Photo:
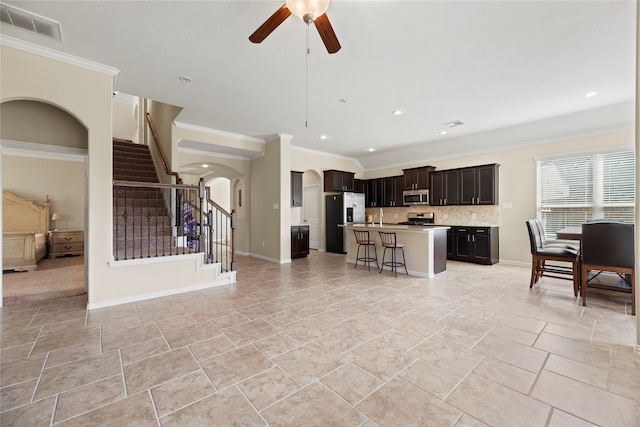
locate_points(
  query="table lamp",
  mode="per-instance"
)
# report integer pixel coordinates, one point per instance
(55, 217)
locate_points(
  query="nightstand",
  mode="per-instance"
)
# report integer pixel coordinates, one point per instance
(66, 242)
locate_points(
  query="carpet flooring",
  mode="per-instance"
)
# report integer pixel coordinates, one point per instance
(54, 278)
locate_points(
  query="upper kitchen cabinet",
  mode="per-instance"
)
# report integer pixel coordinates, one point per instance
(417, 178)
(476, 185)
(338, 181)
(384, 192)
(296, 189)
(444, 188)
(479, 185)
(392, 191)
(398, 188)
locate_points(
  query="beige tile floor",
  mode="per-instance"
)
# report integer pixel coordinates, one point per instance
(318, 343)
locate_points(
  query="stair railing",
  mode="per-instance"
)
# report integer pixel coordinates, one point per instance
(147, 226)
(159, 150)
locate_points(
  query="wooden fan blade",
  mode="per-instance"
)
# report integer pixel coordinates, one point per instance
(270, 24)
(327, 34)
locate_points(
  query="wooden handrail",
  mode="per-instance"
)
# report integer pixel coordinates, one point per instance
(164, 162)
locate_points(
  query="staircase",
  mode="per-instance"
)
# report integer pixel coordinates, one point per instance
(141, 221)
(133, 162)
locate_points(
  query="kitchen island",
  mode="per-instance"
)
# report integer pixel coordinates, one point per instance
(425, 247)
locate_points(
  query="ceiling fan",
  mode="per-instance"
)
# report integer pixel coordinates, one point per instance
(307, 10)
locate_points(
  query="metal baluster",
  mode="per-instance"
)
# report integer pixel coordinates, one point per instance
(117, 217)
(125, 215)
(148, 223)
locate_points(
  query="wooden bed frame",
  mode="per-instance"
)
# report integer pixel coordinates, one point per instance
(24, 232)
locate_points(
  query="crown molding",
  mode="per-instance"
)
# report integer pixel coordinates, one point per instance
(324, 153)
(210, 131)
(61, 57)
(508, 146)
(216, 154)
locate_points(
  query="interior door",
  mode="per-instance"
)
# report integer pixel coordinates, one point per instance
(311, 214)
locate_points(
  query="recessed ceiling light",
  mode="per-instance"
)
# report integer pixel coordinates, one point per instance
(453, 123)
(205, 165)
(323, 136)
(443, 132)
(397, 112)
(371, 150)
(590, 94)
(185, 79)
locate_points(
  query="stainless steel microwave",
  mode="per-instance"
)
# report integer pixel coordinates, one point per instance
(415, 197)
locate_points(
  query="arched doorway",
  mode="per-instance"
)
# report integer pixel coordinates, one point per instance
(40, 161)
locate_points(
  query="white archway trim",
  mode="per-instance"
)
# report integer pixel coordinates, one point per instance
(42, 151)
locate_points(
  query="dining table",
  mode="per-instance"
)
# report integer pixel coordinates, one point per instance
(570, 233)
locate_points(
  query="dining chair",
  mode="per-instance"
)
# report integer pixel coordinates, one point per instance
(553, 243)
(565, 261)
(608, 261)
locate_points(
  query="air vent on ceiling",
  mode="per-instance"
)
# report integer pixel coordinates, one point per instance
(29, 21)
(453, 124)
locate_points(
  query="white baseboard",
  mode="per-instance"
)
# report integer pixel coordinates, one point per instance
(225, 279)
(273, 260)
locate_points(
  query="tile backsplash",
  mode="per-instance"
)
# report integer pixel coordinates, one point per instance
(444, 215)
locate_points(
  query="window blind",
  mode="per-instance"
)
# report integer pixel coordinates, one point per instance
(578, 188)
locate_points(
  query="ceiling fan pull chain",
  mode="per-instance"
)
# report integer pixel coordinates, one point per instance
(306, 66)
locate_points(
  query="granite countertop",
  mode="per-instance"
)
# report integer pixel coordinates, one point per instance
(397, 227)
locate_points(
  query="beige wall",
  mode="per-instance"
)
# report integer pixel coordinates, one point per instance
(270, 194)
(162, 117)
(234, 168)
(126, 119)
(62, 181)
(86, 95)
(313, 164)
(42, 123)
(518, 184)
(88, 98)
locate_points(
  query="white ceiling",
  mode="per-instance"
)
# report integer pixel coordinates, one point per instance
(515, 72)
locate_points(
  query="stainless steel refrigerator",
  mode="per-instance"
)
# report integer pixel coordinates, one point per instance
(345, 208)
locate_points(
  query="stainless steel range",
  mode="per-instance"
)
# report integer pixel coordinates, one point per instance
(420, 219)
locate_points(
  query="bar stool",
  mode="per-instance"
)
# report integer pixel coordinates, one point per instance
(389, 242)
(362, 239)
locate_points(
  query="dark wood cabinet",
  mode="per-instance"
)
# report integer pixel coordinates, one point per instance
(417, 178)
(479, 245)
(360, 186)
(370, 194)
(296, 189)
(384, 192)
(336, 181)
(479, 185)
(444, 188)
(397, 189)
(299, 241)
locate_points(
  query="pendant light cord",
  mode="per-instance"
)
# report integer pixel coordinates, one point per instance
(306, 65)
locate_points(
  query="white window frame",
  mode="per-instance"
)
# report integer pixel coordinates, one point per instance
(586, 203)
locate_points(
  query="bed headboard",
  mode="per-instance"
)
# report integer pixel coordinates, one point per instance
(23, 215)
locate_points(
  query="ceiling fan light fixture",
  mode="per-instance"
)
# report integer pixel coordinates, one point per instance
(308, 10)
